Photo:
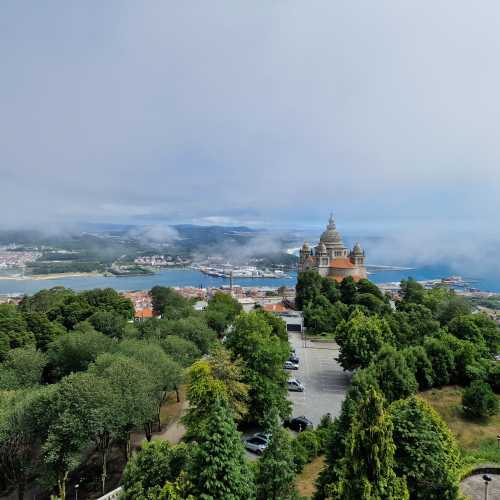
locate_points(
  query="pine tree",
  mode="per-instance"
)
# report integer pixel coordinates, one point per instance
(368, 469)
(219, 470)
(275, 473)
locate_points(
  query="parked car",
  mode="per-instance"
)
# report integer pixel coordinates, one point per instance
(295, 385)
(294, 359)
(266, 436)
(290, 365)
(256, 444)
(298, 424)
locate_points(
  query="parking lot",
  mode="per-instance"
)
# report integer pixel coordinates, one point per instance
(323, 378)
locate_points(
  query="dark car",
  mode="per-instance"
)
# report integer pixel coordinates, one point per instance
(299, 424)
(294, 359)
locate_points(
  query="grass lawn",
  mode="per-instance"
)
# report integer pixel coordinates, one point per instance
(477, 438)
(306, 479)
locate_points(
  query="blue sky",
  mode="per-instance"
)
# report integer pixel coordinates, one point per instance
(264, 113)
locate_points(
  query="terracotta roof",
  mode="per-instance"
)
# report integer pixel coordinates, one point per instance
(144, 313)
(339, 279)
(277, 308)
(341, 264)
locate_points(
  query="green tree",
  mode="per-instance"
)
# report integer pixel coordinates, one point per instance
(417, 360)
(110, 323)
(219, 469)
(368, 469)
(308, 288)
(349, 291)
(275, 476)
(13, 329)
(155, 464)
(212, 378)
(170, 304)
(264, 354)
(360, 338)
(183, 351)
(427, 454)
(193, 328)
(442, 360)
(412, 291)
(43, 330)
(221, 311)
(277, 324)
(479, 401)
(395, 379)
(74, 351)
(22, 368)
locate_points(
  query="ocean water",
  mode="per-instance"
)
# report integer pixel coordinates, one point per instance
(190, 277)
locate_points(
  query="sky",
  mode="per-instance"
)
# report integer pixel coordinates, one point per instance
(266, 113)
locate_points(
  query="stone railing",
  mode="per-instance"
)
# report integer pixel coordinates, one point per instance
(112, 495)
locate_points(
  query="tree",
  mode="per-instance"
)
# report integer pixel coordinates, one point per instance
(442, 360)
(43, 330)
(308, 288)
(18, 439)
(395, 379)
(155, 464)
(479, 401)
(412, 291)
(135, 393)
(212, 378)
(368, 468)
(22, 368)
(349, 291)
(183, 351)
(74, 351)
(275, 476)
(193, 328)
(360, 338)
(427, 454)
(108, 299)
(163, 371)
(170, 304)
(277, 324)
(221, 311)
(417, 360)
(465, 328)
(110, 323)
(219, 469)
(264, 354)
(13, 329)
(322, 316)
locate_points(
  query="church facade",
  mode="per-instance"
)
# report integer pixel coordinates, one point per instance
(331, 258)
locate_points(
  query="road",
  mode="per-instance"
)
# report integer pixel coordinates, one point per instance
(324, 380)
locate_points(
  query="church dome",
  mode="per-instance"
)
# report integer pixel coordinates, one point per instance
(357, 250)
(305, 246)
(331, 235)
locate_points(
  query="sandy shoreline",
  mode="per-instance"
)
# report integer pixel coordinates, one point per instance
(54, 276)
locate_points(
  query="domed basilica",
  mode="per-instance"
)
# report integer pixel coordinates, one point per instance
(331, 258)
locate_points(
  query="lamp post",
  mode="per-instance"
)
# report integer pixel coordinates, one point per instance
(77, 485)
(498, 441)
(487, 480)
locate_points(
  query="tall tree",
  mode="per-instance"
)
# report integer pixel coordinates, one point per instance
(360, 338)
(276, 470)
(368, 470)
(426, 451)
(219, 468)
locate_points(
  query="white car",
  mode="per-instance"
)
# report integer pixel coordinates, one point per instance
(257, 444)
(295, 385)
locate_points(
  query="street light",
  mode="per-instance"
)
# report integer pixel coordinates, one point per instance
(487, 480)
(77, 485)
(498, 441)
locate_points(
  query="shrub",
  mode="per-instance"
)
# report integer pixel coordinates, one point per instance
(479, 400)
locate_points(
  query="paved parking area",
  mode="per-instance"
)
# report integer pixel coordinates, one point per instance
(473, 487)
(324, 380)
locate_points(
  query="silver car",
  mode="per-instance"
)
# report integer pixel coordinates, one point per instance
(257, 444)
(290, 365)
(295, 385)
